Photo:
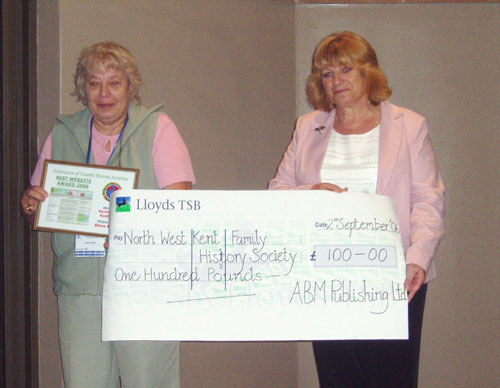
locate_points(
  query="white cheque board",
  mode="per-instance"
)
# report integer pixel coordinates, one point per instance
(253, 265)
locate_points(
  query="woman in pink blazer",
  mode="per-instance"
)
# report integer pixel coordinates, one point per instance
(350, 93)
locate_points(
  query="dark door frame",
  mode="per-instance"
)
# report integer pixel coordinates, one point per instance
(18, 262)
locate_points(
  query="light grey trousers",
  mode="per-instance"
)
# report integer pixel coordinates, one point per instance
(88, 362)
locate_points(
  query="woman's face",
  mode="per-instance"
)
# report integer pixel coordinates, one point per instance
(344, 86)
(108, 96)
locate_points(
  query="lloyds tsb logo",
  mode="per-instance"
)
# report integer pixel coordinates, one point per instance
(122, 204)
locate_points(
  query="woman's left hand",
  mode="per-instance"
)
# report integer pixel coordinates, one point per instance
(415, 277)
(30, 201)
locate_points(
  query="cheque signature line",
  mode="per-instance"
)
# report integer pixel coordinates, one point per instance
(214, 297)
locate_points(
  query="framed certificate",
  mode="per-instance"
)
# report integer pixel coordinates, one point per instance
(79, 196)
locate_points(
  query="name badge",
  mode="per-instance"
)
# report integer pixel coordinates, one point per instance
(89, 246)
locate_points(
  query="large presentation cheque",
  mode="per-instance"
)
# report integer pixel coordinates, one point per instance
(253, 265)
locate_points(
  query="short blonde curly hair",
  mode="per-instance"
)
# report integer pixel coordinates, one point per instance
(110, 55)
(348, 49)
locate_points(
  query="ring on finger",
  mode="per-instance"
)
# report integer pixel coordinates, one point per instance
(29, 208)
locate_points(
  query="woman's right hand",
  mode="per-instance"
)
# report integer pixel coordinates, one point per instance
(30, 201)
(329, 187)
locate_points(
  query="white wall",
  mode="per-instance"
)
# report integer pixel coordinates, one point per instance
(224, 69)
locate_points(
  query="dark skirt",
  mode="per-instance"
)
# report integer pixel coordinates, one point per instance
(373, 363)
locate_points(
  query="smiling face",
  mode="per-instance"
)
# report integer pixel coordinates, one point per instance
(345, 86)
(108, 98)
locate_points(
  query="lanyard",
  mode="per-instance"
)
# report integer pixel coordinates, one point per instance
(89, 150)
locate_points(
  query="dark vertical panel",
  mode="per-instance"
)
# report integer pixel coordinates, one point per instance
(2, 281)
(18, 282)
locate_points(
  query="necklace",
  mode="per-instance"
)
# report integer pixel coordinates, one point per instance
(119, 140)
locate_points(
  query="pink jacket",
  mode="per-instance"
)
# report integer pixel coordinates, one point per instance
(407, 172)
